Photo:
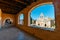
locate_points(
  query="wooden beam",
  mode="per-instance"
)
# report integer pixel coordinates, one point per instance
(8, 8)
(21, 2)
(27, 2)
(10, 3)
(3, 5)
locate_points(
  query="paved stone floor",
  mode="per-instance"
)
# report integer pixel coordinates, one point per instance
(15, 34)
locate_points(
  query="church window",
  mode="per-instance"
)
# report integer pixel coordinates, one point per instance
(38, 24)
(45, 25)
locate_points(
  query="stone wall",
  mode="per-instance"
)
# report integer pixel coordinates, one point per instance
(7, 16)
(43, 34)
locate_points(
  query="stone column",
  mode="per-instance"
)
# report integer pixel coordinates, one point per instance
(0, 18)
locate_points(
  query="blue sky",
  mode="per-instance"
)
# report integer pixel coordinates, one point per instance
(21, 16)
(47, 10)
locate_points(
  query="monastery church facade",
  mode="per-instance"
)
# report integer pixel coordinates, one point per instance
(43, 21)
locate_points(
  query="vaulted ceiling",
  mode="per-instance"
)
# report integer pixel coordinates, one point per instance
(14, 6)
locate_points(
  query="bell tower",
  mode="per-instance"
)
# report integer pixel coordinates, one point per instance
(41, 15)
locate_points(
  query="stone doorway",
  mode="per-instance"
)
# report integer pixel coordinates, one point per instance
(7, 23)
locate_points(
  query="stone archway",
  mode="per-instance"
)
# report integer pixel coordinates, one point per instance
(7, 22)
(21, 19)
(35, 7)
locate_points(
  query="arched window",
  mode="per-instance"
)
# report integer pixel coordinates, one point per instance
(21, 19)
(42, 16)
